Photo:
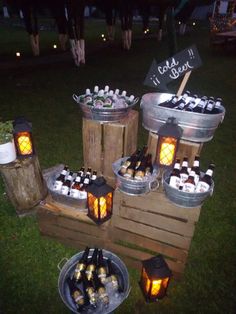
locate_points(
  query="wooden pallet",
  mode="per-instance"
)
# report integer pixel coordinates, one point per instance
(141, 227)
(186, 148)
(104, 143)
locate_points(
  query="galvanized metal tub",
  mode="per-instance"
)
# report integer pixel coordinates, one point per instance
(104, 115)
(50, 178)
(68, 270)
(197, 127)
(134, 187)
(184, 199)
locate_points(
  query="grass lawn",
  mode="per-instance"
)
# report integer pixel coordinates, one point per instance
(41, 89)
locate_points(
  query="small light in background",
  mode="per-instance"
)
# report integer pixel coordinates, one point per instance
(194, 23)
(179, 22)
(103, 37)
(54, 46)
(18, 54)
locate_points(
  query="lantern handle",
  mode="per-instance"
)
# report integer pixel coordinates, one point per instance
(62, 262)
(135, 101)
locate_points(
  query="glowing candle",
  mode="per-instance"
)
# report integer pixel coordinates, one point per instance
(25, 144)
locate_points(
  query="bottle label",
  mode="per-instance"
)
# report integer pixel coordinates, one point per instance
(174, 182)
(78, 179)
(209, 172)
(86, 181)
(78, 297)
(57, 185)
(139, 175)
(202, 187)
(64, 172)
(189, 187)
(75, 193)
(183, 177)
(64, 190)
(196, 179)
(83, 195)
(94, 177)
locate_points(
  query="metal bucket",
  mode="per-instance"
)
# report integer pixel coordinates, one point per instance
(104, 115)
(68, 270)
(50, 178)
(184, 199)
(134, 187)
(197, 127)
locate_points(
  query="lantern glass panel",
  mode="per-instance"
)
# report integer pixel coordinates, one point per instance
(157, 285)
(24, 143)
(167, 150)
(100, 207)
(146, 283)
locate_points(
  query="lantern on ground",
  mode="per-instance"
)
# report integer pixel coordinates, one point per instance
(23, 137)
(99, 200)
(155, 277)
(169, 135)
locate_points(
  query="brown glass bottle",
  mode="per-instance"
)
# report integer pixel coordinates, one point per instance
(101, 267)
(112, 277)
(196, 169)
(101, 290)
(60, 179)
(65, 189)
(92, 264)
(128, 161)
(184, 170)
(76, 295)
(149, 165)
(89, 290)
(189, 184)
(75, 188)
(175, 175)
(81, 265)
(205, 183)
(139, 173)
(83, 187)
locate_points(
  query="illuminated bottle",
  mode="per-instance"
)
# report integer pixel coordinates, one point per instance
(76, 295)
(184, 170)
(205, 183)
(75, 188)
(141, 155)
(149, 165)
(189, 184)
(81, 265)
(101, 267)
(60, 179)
(67, 184)
(92, 264)
(101, 290)
(139, 173)
(89, 289)
(175, 175)
(125, 165)
(113, 277)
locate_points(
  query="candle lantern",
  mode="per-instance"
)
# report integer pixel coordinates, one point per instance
(23, 137)
(169, 135)
(99, 200)
(155, 277)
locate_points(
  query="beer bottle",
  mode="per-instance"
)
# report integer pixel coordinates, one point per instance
(101, 290)
(217, 108)
(89, 289)
(189, 184)
(184, 170)
(67, 184)
(209, 106)
(75, 188)
(108, 100)
(99, 99)
(112, 277)
(175, 175)
(205, 183)
(141, 155)
(182, 102)
(170, 103)
(139, 173)
(149, 166)
(92, 264)
(95, 91)
(131, 169)
(201, 105)
(196, 169)
(60, 179)
(82, 171)
(128, 161)
(83, 187)
(191, 104)
(76, 295)
(101, 267)
(88, 98)
(81, 265)
(94, 176)
(106, 90)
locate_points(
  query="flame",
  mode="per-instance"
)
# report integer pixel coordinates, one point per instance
(167, 151)
(25, 144)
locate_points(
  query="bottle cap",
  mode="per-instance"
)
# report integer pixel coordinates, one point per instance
(96, 89)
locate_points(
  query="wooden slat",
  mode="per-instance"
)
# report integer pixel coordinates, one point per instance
(157, 202)
(112, 146)
(146, 243)
(92, 147)
(159, 221)
(152, 233)
(131, 132)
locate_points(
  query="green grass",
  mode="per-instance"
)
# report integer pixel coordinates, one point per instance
(41, 89)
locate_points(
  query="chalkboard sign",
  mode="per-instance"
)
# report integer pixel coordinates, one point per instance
(173, 68)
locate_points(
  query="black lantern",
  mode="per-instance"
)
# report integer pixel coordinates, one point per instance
(155, 278)
(99, 200)
(169, 135)
(23, 137)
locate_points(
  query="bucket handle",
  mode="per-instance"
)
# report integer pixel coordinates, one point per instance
(135, 101)
(128, 292)
(76, 98)
(154, 185)
(62, 263)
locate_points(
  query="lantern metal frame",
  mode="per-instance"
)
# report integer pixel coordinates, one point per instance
(168, 130)
(156, 269)
(99, 189)
(22, 127)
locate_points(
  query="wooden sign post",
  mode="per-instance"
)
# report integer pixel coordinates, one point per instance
(183, 63)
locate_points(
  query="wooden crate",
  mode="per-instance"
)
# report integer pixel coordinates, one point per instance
(186, 148)
(104, 143)
(141, 227)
